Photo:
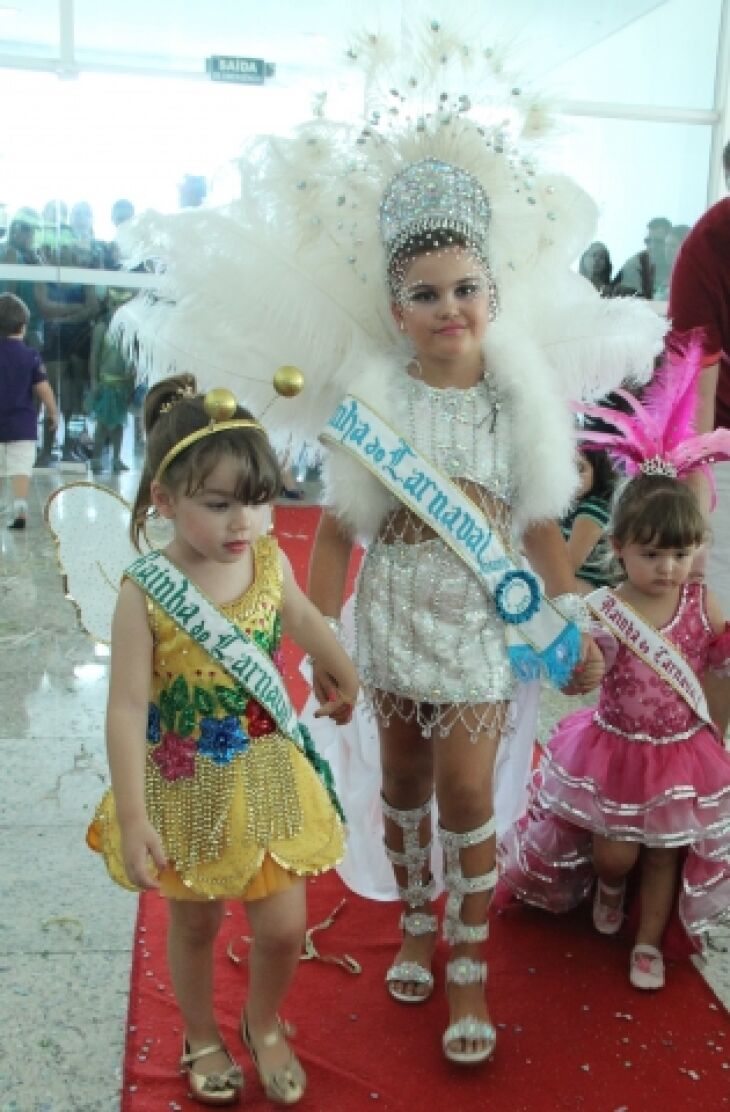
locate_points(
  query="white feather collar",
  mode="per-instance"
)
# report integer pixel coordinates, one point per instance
(541, 434)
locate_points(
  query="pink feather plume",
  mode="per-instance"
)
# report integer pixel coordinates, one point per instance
(662, 424)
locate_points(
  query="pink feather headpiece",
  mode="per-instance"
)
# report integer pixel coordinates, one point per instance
(658, 436)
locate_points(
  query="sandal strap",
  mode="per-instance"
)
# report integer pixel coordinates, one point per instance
(455, 930)
(410, 971)
(218, 1081)
(469, 1027)
(414, 857)
(454, 839)
(192, 1056)
(610, 889)
(466, 971)
(419, 855)
(644, 950)
(417, 923)
(406, 820)
(416, 895)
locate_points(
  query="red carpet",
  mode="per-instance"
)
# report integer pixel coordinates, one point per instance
(573, 1034)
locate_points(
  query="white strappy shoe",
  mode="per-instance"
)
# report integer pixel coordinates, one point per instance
(465, 971)
(414, 922)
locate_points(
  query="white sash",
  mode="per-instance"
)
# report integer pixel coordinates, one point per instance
(650, 646)
(539, 640)
(205, 624)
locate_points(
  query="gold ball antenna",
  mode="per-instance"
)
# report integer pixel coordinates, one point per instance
(220, 404)
(288, 381)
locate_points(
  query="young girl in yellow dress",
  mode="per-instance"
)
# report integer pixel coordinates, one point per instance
(215, 787)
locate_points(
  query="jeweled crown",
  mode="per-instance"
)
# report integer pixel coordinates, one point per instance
(433, 196)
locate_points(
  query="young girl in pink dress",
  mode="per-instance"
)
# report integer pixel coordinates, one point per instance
(641, 779)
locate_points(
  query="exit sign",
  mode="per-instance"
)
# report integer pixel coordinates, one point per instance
(242, 71)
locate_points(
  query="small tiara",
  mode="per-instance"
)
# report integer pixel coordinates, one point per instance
(181, 393)
(658, 466)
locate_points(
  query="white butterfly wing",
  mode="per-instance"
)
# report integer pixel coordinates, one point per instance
(91, 526)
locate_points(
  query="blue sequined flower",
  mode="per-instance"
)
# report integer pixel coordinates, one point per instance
(221, 739)
(153, 723)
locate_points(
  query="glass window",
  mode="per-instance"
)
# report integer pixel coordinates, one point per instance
(665, 57)
(635, 170)
(30, 30)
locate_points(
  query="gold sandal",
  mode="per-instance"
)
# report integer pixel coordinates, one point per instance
(211, 1088)
(285, 1085)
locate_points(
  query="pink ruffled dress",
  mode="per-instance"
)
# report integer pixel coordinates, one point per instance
(642, 767)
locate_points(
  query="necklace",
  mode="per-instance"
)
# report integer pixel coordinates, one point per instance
(415, 363)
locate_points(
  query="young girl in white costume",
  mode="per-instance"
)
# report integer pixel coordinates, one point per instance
(643, 775)
(416, 267)
(215, 788)
(431, 644)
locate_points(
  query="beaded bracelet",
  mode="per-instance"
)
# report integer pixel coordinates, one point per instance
(574, 609)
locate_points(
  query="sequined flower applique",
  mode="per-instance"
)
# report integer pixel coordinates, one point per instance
(175, 757)
(221, 739)
(259, 722)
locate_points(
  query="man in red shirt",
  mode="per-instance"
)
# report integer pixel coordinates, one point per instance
(699, 299)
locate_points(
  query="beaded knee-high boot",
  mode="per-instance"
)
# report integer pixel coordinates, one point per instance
(465, 970)
(417, 892)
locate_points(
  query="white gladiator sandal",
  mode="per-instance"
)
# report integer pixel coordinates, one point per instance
(464, 970)
(415, 860)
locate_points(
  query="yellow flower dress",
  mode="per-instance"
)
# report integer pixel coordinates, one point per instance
(241, 809)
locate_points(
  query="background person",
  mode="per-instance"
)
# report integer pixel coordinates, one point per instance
(23, 385)
(699, 305)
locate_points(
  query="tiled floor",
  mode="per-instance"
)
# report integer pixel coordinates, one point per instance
(65, 930)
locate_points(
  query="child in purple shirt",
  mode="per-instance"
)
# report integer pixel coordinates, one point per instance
(23, 383)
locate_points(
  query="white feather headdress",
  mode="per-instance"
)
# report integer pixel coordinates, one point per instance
(294, 272)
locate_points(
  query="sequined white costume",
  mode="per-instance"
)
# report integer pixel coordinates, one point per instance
(426, 629)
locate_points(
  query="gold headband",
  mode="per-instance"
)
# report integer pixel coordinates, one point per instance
(220, 405)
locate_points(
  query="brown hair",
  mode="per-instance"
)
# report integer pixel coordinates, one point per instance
(172, 411)
(14, 315)
(657, 510)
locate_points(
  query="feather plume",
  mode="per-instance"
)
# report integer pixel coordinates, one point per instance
(670, 399)
(293, 271)
(632, 437)
(661, 425)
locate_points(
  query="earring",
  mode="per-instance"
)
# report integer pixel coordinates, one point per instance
(493, 302)
(402, 325)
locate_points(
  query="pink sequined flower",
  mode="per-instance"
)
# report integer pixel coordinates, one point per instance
(277, 659)
(175, 757)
